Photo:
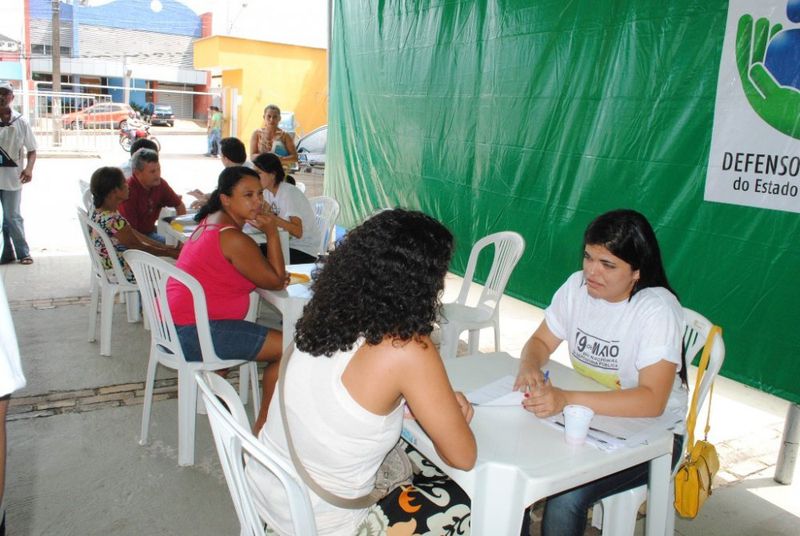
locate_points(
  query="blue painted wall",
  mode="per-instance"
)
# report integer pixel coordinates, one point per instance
(174, 18)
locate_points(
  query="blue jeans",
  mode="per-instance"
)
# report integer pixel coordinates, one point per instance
(565, 514)
(13, 225)
(214, 138)
(233, 339)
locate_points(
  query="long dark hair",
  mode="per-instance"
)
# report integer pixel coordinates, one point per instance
(228, 179)
(270, 163)
(628, 235)
(384, 279)
(104, 181)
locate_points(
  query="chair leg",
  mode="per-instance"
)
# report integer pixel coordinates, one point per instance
(244, 382)
(449, 340)
(147, 407)
(93, 308)
(619, 513)
(187, 405)
(132, 306)
(474, 340)
(255, 387)
(106, 317)
(497, 334)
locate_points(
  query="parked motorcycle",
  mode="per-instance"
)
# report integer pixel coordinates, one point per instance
(134, 130)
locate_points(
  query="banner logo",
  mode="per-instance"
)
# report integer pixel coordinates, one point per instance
(754, 159)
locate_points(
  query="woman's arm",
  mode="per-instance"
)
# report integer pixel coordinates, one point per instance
(254, 152)
(294, 225)
(443, 414)
(264, 272)
(648, 399)
(535, 354)
(133, 239)
(288, 142)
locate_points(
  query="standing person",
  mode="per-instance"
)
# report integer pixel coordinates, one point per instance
(271, 139)
(214, 128)
(292, 209)
(11, 379)
(623, 326)
(148, 194)
(227, 264)
(363, 353)
(17, 147)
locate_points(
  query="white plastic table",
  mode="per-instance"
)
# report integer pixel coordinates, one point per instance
(290, 302)
(173, 236)
(521, 460)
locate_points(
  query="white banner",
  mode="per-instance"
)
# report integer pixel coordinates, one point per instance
(755, 145)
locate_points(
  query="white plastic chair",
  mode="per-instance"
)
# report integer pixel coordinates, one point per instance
(459, 316)
(234, 441)
(88, 202)
(616, 514)
(104, 287)
(152, 274)
(326, 210)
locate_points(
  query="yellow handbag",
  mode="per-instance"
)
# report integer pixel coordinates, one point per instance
(695, 475)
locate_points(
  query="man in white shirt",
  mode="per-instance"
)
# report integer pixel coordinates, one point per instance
(17, 146)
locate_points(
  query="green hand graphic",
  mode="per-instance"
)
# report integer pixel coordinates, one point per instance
(779, 106)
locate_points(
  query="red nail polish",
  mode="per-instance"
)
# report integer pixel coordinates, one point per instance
(526, 395)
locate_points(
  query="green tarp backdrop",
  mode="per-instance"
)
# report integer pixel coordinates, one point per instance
(536, 116)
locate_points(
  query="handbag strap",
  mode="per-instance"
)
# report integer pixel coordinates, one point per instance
(691, 421)
(356, 503)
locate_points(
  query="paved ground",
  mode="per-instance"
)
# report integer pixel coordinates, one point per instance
(75, 466)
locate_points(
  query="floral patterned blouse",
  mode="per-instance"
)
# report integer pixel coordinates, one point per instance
(111, 223)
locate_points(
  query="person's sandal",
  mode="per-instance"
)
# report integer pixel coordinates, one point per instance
(26, 260)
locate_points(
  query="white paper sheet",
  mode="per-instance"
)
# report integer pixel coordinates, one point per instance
(499, 393)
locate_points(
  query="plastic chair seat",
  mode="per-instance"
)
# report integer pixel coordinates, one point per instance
(468, 317)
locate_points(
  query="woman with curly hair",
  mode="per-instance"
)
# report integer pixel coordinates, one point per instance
(363, 353)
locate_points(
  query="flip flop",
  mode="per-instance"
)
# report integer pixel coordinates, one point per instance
(26, 260)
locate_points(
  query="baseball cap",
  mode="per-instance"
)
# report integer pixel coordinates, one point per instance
(7, 86)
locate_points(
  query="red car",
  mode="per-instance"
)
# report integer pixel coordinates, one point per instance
(103, 115)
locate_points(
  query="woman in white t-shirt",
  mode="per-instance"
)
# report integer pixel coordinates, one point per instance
(292, 208)
(364, 352)
(623, 326)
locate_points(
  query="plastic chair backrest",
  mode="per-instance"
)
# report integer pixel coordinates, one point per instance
(508, 248)
(694, 339)
(152, 274)
(88, 201)
(233, 440)
(326, 210)
(90, 228)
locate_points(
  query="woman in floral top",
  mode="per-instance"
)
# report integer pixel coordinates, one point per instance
(109, 189)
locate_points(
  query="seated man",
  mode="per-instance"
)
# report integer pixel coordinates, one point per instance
(140, 143)
(149, 193)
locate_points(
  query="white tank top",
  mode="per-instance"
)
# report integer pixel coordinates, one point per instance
(340, 443)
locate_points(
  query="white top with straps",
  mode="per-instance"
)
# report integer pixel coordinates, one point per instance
(340, 443)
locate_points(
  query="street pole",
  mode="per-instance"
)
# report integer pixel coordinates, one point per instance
(55, 45)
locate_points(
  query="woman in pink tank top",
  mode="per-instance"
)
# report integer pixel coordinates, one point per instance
(228, 265)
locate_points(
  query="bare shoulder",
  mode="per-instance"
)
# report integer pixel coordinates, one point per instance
(418, 352)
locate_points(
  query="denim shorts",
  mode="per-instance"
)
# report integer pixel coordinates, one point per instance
(233, 339)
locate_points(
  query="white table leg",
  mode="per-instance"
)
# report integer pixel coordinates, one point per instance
(658, 500)
(291, 314)
(497, 504)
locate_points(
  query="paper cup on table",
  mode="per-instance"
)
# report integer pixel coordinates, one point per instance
(576, 423)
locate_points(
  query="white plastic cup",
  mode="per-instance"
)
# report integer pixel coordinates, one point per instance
(576, 423)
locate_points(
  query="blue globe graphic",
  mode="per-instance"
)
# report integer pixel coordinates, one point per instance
(782, 58)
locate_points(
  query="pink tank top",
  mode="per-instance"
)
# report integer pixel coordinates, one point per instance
(227, 291)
